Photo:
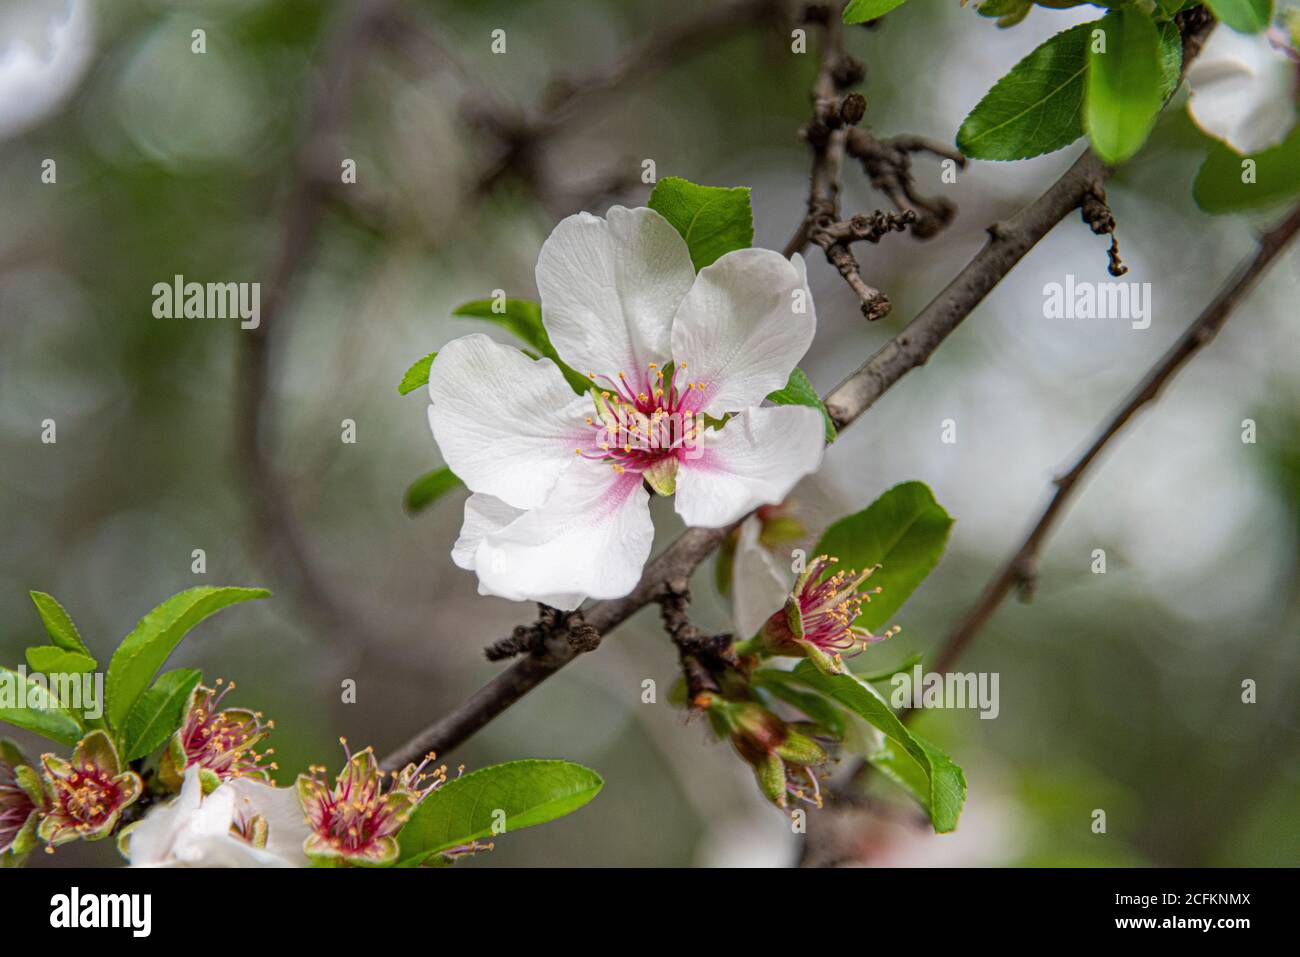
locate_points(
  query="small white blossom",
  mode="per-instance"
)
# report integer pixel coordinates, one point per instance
(670, 353)
(243, 823)
(1243, 88)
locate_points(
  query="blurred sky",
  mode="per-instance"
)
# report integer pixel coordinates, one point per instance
(1119, 691)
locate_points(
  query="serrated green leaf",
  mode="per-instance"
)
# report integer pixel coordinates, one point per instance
(430, 487)
(1124, 84)
(58, 623)
(417, 375)
(905, 531)
(467, 808)
(149, 644)
(860, 11)
(1275, 175)
(714, 220)
(158, 713)
(52, 660)
(1037, 107)
(39, 712)
(1244, 16)
(943, 797)
(947, 784)
(523, 318)
(799, 391)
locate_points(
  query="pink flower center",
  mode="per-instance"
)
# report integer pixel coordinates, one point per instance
(15, 806)
(88, 795)
(643, 422)
(829, 606)
(222, 741)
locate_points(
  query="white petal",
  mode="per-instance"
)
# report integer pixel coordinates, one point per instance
(45, 50)
(737, 330)
(152, 841)
(286, 825)
(755, 459)
(609, 288)
(590, 540)
(1242, 90)
(758, 585)
(505, 423)
(484, 514)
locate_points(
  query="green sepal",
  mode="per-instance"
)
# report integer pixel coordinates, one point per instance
(662, 476)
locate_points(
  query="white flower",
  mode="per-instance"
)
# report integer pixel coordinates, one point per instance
(1243, 88)
(759, 587)
(243, 823)
(45, 48)
(621, 302)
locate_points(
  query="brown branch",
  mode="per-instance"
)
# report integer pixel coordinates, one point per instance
(1009, 242)
(1020, 570)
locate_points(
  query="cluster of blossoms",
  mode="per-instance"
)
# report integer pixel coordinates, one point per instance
(227, 812)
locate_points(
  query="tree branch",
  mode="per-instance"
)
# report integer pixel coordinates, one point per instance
(1021, 568)
(911, 348)
(1008, 243)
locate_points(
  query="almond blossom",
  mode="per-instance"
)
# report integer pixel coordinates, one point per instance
(243, 823)
(679, 364)
(1243, 88)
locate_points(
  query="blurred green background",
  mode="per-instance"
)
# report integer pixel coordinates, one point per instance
(1120, 691)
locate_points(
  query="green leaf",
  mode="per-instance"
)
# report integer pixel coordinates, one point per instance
(38, 711)
(714, 220)
(905, 531)
(523, 318)
(799, 391)
(781, 685)
(465, 809)
(1171, 59)
(51, 660)
(1037, 107)
(1219, 186)
(1244, 16)
(417, 375)
(158, 713)
(149, 644)
(860, 11)
(430, 487)
(946, 783)
(943, 797)
(58, 623)
(1007, 12)
(1124, 83)
(885, 674)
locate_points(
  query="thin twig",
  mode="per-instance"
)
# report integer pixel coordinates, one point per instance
(1020, 570)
